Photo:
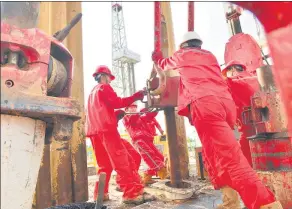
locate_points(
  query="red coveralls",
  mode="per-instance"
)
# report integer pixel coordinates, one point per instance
(153, 124)
(142, 138)
(204, 94)
(243, 87)
(110, 150)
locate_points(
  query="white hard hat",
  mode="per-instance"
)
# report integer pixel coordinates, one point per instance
(190, 35)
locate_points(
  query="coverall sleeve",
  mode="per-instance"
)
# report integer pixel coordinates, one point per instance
(149, 115)
(158, 125)
(112, 99)
(167, 63)
(129, 119)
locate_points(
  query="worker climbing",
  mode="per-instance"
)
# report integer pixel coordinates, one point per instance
(204, 95)
(142, 137)
(238, 78)
(101, 128)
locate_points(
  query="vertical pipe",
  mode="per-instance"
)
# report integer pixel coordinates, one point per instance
(191, 16)
(78, 142)
(175, 129)
(171, 132)
(157, 26)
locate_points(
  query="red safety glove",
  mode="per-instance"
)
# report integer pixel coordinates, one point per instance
(139, 95)
(156, 55)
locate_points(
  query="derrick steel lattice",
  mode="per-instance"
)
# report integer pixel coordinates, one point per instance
(123, 60)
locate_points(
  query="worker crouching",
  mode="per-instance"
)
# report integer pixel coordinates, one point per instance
(243, 85)
(142, 137)
(205, 97)
(101, 128)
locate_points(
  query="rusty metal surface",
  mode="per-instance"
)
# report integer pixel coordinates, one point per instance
(268, 113)
(61, 177)
(280, 183)
(35, 106)
(266, 78)
(78, 142)
(43, 187)
(282, 67)
(57, 78)
(191, 16)
(171, 133)
(279, 30)
(271, 154)
(24, 92)
(20, 14)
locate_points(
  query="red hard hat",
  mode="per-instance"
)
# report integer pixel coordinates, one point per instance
(103, 69)
(232, 62)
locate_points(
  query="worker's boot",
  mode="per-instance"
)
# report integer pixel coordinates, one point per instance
(145, 197)
(162, 173)
(230, 199)
(274, 205)
(147, 179)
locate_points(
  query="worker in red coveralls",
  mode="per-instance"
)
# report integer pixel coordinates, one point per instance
(205, 96)
(101, 128)
(243, 85)
(153, 124)
(142, 137)
(136, 157)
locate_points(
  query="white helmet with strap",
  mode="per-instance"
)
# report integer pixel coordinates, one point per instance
(190, 35)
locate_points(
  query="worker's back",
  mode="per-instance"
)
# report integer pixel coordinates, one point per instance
(100, 116)
(200, 75)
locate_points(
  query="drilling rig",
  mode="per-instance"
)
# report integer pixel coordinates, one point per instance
(124, 60)
(37, 108)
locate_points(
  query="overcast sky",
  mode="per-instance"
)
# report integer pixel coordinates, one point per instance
(210, 23)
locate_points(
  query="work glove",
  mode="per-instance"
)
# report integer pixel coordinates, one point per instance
(139, 95)
(156, 55)
(120, 114)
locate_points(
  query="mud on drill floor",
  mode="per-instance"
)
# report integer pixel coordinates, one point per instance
(205, 197)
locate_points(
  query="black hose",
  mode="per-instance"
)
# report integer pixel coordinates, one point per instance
(82, 205)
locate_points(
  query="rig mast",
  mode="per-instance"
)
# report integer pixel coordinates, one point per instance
(123, 59)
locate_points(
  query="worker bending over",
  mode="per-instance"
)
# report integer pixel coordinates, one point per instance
(243, 85)
(205, 96)
(101, 127)
(142, 137)
(153, 124)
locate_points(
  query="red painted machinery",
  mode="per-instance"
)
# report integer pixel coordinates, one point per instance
(271, 147)
(271, 110)
(36, 75)
(270, 141)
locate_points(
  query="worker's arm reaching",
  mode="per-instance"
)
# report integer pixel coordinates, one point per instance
(149, 115)
(116, 102)
(164, 63)
(130, 119)
(158, 126)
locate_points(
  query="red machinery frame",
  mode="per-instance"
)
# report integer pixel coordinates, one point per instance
(278, 26)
